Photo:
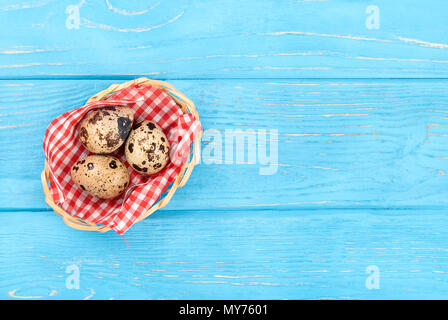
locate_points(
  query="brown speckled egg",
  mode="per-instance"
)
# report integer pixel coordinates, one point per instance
(102, 176)
(147, 148)
(105, 129)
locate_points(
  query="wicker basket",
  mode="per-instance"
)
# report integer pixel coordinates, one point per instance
(186, 105)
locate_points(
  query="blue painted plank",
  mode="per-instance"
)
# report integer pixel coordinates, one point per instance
(341, 143)
(319, 254)
(360, 177)
(235, 39)
(233, 233)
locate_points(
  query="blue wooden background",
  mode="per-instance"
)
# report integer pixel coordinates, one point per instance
(362, 120)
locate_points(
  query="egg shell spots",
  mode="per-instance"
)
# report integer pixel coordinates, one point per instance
(101, 176)
(105, 129)
(147, 148)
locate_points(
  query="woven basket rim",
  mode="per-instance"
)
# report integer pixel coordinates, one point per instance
(186, 105)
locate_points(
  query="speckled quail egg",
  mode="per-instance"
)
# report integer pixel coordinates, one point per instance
(105, 129)
(101, 176)
(147, 148)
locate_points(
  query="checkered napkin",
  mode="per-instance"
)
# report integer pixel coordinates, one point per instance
(63, 148)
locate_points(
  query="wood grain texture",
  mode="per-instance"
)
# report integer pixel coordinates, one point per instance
(233, 39)
(342, 144)
(245, 255)
(362, 164)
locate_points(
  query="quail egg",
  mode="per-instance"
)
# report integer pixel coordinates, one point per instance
(147, 148)
(101, 176)
(105, 129)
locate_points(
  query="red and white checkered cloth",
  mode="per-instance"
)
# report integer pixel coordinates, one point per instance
(63, 148)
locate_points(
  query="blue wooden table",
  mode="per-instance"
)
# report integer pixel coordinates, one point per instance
(354, 95)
